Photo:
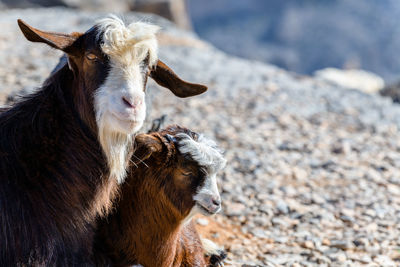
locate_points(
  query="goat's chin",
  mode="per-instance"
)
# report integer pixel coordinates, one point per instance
(124, 126)
(197, 209)
(202, 210)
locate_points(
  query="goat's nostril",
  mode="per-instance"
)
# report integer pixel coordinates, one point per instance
(127, 102)
(216, 201)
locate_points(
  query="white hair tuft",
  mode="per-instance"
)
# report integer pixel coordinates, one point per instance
(204, 151)
(137, 39)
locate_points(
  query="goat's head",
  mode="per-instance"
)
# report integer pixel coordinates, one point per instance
(187, 165)
(110, 65)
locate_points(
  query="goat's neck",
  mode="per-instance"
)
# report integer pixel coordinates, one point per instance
(71, 94)
(156, 225)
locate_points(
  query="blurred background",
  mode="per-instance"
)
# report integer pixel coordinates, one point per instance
(307, 35)
(304, 36)
(298, 35)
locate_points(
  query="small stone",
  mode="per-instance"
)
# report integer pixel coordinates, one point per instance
(265, 209)
(317, 199)
(282, 207)
(384, 260)
(215, 235)
(308, 244)
(341, 148)
(361, 258)
(347, 219)
(262, 196)
(347, 212)
(280, 222)
(341, 257)
(259, 232)
(299, 174)
(341, 244)
(360, 242)
(202, 221)
(234, 209)
(393, 189)
(365, 259)
(262, 220)
(370, 212)
(280, 239)
(321, 259)
(326, 242)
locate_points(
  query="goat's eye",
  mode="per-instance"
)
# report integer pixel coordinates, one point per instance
(144, 65)
(187, 174)
(91, 57)
(147, 59)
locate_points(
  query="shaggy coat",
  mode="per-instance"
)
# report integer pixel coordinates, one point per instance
(55, 174)
(52, 168)
(152, 224)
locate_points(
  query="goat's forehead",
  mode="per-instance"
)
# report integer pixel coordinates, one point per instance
(204, 151)
(133, 42)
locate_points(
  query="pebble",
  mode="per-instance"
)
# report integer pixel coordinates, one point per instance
(202, 221)
(326, 242)
(341, 244)
(258, 232)
(308, 244)
(234, 209)
(282, 207)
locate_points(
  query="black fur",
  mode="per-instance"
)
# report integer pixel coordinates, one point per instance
(51, 166)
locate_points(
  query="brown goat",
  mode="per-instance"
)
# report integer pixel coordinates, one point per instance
(174, 178)
(64, 149)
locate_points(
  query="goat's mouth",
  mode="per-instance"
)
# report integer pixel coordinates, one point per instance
(126, 117)
(125, 124)
(205, 211)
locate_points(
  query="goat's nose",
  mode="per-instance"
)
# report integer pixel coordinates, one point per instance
(216, 201)
(130, 102)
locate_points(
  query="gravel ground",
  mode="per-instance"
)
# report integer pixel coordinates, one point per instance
(312, 176)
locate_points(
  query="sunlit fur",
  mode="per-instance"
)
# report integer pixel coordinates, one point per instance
(203, 150)
(149, 225)
(116, 147)
(128, 43)
(127, 48)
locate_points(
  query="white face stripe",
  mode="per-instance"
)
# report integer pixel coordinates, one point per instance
(210, 188)
(206, 153)
(126, 46)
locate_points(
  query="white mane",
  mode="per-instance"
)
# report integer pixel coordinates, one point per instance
(128, 42)
(204, 151)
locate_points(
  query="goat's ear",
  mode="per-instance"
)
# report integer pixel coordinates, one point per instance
(165, 77)
(147, 144)
(56, 40)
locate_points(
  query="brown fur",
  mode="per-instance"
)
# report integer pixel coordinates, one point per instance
(53, 172)
(148, 226)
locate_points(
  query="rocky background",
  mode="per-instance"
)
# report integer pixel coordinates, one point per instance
(305, 35)
(313, 169)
